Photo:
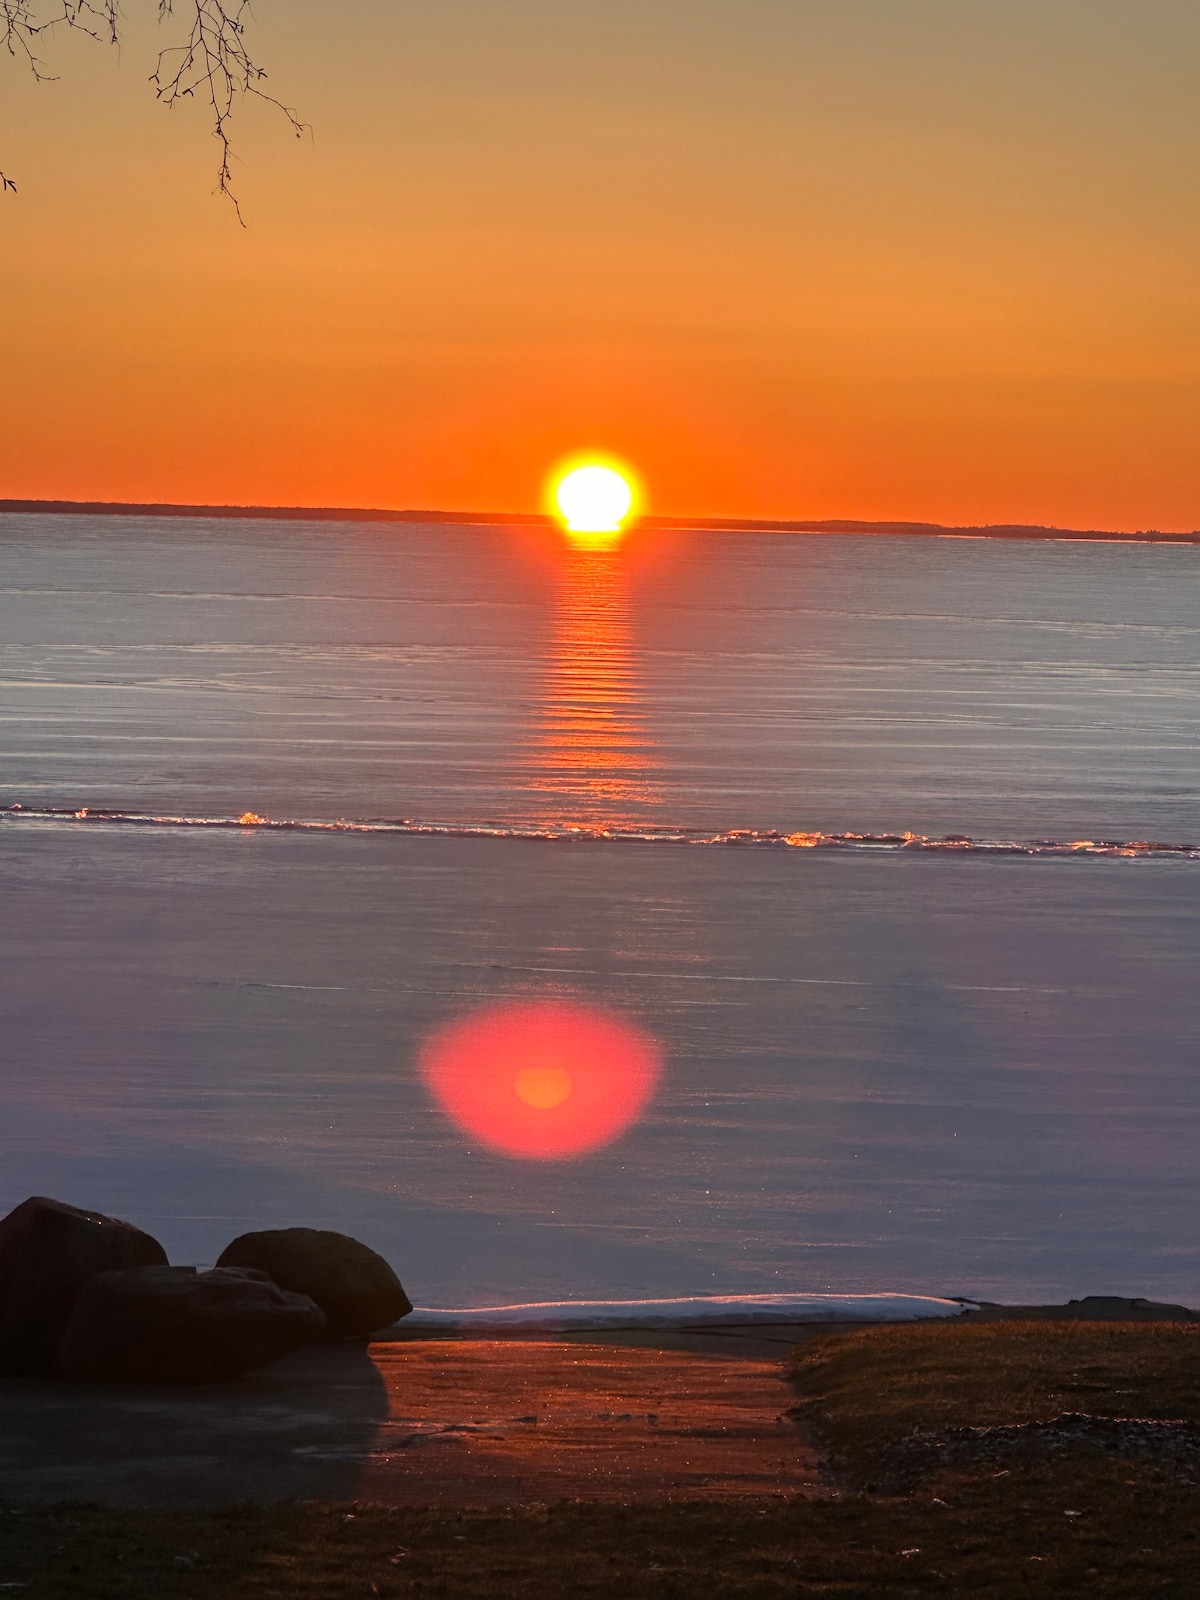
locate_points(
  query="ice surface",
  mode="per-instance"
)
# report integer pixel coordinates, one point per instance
(888, 1065)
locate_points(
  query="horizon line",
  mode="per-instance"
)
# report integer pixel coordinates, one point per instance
(995, 530)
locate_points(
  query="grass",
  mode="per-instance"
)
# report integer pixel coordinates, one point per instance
(1096, 1526)
(864, 1392)
(998, 1539)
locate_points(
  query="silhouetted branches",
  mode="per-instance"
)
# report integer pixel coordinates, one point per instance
(215, 63)
(212, 63)
(24, 22)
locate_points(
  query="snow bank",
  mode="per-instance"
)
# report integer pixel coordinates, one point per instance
(696, 1312)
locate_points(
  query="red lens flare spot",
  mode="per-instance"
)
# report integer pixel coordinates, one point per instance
(543, 1080)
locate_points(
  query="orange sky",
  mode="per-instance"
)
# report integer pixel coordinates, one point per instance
(930, 259)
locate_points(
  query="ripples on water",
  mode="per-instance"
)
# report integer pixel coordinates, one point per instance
(808, 684)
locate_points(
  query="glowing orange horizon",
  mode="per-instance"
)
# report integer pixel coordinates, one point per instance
(542, 1080)
(434, 329)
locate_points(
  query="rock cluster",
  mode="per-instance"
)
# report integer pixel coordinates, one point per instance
(94, 1299)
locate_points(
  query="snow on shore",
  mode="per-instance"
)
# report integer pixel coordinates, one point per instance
(693, 1312)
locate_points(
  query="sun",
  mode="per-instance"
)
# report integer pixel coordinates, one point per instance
(594, 497)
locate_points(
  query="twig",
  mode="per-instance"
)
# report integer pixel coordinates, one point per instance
(214, 61)
(21, 23)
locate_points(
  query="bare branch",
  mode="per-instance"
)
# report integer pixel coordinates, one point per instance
(213, 63)
(23, 21)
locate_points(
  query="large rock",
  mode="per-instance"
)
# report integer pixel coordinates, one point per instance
(177, 1325)
(355, 1288)
(48, 1253)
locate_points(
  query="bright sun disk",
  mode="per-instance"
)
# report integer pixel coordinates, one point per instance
(594, 499)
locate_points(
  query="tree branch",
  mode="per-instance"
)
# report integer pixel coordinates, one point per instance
(22, 22)
(213, 63)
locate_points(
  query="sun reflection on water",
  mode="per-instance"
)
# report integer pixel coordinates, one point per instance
(592, 750)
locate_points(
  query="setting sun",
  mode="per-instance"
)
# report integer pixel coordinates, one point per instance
(593, 497)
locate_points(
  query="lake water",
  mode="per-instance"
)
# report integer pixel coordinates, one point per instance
(493, 767)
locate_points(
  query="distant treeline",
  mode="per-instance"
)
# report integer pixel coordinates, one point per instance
(999, 530)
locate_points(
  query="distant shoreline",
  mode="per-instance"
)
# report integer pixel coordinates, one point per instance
(109, 508)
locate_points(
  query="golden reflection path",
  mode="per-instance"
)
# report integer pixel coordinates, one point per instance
(592, 751)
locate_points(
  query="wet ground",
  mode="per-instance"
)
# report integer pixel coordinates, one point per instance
(425, 1422)
(629, 1415)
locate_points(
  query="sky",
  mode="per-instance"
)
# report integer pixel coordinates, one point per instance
(916, 259)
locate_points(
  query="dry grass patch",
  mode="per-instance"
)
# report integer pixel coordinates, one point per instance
(1094, 1525)
(865, 1392)
(1130, 1536)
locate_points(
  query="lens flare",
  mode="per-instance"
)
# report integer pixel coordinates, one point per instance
(543, 1087)
(544, 1080)
(594, 497)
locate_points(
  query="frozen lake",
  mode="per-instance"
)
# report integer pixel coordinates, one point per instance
(942, 1072)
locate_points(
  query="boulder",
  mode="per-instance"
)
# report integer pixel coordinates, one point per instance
(355, 1288)
(177, 1325)
(48, 1253)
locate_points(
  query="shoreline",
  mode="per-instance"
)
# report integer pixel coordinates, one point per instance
(760, 1320)
(897, 529)
(588, 1414)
